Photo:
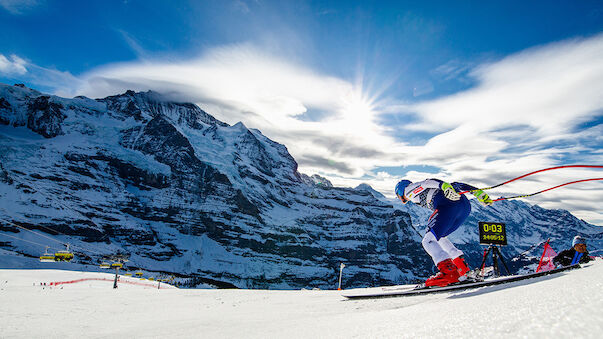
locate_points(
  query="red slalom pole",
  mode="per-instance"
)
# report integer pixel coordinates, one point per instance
(548, 189)
(542, 170)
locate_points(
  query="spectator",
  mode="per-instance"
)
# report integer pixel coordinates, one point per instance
(576, 254)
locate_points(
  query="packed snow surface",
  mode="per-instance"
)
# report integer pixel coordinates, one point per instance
(563, 305)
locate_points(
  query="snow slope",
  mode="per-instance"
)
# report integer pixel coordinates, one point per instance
(562, 306)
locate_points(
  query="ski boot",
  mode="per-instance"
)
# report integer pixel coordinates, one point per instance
(462, 267)
(448, 274)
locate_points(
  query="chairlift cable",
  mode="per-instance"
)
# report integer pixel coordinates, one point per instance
(29, 241)
(36, 233)
(60, 242)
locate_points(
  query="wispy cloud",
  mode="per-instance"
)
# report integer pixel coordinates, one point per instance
(133, 43)
(13, 65)
(265, 91)
(19, 7)
(47, 79)
(453, 69)
(550, 88)
(535, 98)
(525, 112)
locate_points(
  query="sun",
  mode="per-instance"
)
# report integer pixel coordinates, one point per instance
(356, 111)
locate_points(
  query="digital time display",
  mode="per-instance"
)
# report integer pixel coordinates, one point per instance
(492, 233)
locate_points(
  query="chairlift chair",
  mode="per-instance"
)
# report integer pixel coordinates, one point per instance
(63, 255)
(117, 265)
(105, 264)
(47, 257)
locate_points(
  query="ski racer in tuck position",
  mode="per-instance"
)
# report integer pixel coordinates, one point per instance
(450, 211)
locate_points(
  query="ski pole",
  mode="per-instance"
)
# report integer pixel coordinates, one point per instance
(531, 173)
(548, 189)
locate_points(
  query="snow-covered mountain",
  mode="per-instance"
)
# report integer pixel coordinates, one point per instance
(184, 193)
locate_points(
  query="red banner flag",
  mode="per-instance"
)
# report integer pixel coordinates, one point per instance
(546, 261)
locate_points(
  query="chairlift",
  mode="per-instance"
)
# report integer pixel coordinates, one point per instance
(128, 274)
(117, 265)
(63, 255)
(139, 274)
(47, 257)
(105, 264)
(151, 279)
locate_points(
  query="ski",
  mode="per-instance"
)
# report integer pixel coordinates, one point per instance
(419, 290)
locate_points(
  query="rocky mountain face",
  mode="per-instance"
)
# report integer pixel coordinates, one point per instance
(183, 193)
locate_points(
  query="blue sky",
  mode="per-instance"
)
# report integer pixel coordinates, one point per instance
(408, 38)
(358, 91)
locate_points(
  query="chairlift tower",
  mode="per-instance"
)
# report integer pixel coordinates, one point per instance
(117, 262)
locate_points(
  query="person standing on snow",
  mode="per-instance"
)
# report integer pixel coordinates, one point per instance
(450, 211)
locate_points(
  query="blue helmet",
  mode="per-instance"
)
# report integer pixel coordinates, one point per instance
(401, 186)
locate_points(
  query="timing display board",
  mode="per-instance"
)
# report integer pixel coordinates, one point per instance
(492, 233)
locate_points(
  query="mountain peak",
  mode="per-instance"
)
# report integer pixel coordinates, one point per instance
(367, 188)
(146, 105)
(316, 180)
(241, 126)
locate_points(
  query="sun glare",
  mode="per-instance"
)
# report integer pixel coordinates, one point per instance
(357, 111)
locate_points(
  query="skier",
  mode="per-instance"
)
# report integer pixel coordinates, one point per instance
(450, 211)
(576, 254)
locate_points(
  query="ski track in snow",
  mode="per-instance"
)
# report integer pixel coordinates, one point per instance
(566, 305)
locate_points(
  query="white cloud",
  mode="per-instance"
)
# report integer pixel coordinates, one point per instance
(452, 69)
(550, 88)
(46, 78)
(12, 66)
(239, 75)
(520, 116)
(132, 43)
(523, 115)
(243, 83)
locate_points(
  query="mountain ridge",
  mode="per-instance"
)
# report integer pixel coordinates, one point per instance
(185, 193)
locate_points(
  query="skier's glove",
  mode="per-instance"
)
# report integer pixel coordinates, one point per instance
(449, 192)
(483, 198)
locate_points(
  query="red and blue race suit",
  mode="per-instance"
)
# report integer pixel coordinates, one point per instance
(448, 214)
